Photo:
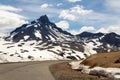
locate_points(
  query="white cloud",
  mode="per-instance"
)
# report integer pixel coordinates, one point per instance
(66, 15)
(45, 5)
(74, 1)
(102, 30)
(87, 28)
(80, 10)
(9, 18)
(88, 17)
(112, 28)
(63, 24)
(82, 29)
(73, 13)
(74, 32)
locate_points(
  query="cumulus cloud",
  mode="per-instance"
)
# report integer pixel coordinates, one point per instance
(66, 15)
(74, 32)
(80, 10)
(74, 1)
(102, 30)
(88, 17)
(45, 5)
(9, 17)
(82, 29)
(112, 28)
(73, 13)
(63, 24)
(87, 28)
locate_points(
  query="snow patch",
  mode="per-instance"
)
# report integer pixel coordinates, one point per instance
(28, 25)
(108, 72)
(51, 38)
(89, 48)
(26, 37)
(35, 26)
(37, 34)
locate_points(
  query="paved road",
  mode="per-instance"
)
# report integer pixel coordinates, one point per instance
(27, 71)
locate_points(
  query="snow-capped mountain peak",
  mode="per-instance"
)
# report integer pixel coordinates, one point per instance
(40, 29)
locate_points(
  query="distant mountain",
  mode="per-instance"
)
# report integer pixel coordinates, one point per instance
(112, 39)
(43, 40)
(108, 38)
(103, 42)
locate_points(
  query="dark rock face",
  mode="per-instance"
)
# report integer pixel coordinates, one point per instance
(112, 39)
(89, 35)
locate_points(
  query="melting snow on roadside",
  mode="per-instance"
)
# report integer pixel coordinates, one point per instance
(98, 71)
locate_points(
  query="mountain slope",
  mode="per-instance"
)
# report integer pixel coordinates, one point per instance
(104, 60)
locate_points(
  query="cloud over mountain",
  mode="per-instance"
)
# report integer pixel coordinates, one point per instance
(73, 13)
(9, 17)
(63, 24)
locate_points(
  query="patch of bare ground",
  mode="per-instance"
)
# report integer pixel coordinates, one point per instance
(111, 59)
(63, 71)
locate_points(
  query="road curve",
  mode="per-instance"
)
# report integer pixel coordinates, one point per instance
(27, 71)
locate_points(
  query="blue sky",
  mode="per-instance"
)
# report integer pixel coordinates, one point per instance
(74, 16)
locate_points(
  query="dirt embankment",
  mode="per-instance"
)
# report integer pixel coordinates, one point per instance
(111, 59)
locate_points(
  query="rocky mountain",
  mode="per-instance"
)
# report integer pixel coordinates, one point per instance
(43, 40)
(40, 29)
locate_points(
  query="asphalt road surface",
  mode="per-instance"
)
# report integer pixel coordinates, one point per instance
(27, 71)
